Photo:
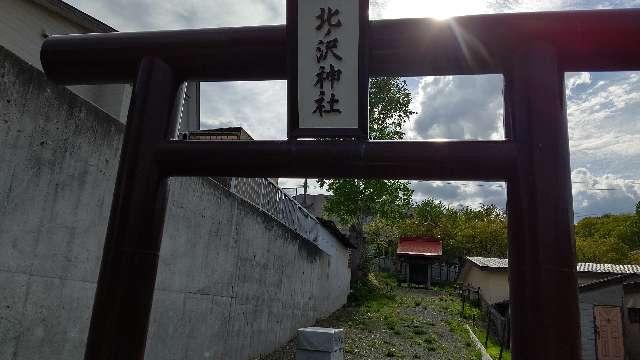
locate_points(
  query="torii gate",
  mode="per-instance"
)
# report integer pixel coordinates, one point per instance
(531, 50)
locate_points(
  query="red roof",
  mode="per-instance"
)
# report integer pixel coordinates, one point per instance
(419, 246)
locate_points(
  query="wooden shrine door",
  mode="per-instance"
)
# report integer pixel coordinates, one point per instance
(609, 343)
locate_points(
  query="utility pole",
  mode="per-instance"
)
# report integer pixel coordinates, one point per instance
(305, 187)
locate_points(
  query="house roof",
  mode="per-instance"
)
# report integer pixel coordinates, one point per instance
(499, 263)
(494, 263)
(613, 280)
(632, 285)
(419, 246)
(236, 131)
(71, 13)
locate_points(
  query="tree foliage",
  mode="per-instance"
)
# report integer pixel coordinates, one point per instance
(389, 108)
(464, 231)
(357, 201)
(609, 238)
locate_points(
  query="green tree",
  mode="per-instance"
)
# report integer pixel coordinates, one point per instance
(464, 231)
(356, 202)
(382, 236)
(389, 108)
(609, 238)
(481, 232)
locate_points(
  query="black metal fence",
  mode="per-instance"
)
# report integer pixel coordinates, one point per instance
(493, 318)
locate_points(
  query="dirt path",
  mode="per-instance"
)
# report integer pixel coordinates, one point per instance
(413, 324)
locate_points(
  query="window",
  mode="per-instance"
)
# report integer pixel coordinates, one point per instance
(634, 315)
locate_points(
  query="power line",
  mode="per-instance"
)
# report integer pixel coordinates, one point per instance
(501, 185)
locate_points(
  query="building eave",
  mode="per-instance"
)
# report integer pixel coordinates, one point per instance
(71, 13)
(613, 280)
(418, 254)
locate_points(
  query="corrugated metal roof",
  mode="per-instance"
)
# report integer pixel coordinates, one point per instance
(617, 279)
(419, 246)
(498, 263)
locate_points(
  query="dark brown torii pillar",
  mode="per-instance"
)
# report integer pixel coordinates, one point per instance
(532, 50)
(542, 270)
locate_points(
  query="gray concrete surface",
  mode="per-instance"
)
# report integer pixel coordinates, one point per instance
(232, 281)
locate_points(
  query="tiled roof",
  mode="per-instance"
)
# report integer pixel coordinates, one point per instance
(498, 263)
(419, 246)
(490, 262)
(608, 268)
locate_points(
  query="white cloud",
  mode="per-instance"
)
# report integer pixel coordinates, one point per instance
(555, 5)
(459, 107)
(604, 123)
(440, 9)
(136, 15)
(457, 193)
(596, 195)
(574, 81)
(389, 9)
(259, 107)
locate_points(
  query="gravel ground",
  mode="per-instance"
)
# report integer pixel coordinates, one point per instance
(417, 324)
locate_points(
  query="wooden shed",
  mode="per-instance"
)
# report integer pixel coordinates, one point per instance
(609, 329)
(416, 256)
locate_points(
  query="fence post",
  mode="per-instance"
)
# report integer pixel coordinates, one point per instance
(503, 337)
(486, 337)
(462, 296)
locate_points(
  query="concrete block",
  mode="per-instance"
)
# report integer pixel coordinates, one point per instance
(320, 339)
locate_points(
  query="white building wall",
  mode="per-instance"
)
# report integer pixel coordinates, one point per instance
(494, 285)
(24, 25)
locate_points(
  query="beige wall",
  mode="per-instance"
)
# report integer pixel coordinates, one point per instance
(494, 285)
(23, 25)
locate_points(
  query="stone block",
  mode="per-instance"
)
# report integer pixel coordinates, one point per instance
(320, 339)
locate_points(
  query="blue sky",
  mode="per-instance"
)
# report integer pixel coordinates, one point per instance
(603, 108)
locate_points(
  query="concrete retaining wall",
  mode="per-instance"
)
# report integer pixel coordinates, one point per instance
(232, 281)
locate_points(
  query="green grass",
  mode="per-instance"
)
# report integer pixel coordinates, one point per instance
(493, 348)
(376, 305)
